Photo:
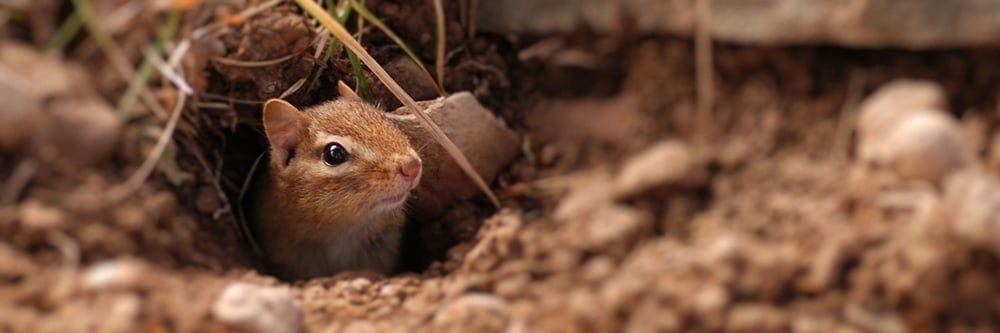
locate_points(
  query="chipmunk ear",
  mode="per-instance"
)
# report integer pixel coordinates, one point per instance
(284, 125)
(347, 92)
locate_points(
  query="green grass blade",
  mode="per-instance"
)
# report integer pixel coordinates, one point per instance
(67, 31)
(364, 88)
(138, 83)
(342, 18)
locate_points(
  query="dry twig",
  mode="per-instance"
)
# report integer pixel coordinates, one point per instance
(703, 58)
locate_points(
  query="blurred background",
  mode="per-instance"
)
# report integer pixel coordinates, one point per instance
(664, 165)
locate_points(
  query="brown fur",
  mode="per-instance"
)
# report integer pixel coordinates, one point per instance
(314, 219)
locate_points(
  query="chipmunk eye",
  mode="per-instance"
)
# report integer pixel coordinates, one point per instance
(335, 154)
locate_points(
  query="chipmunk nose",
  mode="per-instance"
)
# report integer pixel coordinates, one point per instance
(411, 169)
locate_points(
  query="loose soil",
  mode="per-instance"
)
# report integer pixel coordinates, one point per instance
(776, 229)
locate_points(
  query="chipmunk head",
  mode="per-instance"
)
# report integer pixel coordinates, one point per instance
(342, 160)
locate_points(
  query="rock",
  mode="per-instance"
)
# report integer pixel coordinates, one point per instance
(926, 146)
(20, 117)
(77, 123)
(902, 127)
(40, 75)
(863, 23)
(486, 141)
(251, 308)
(412, 78)
(667, 163)
(887, 106)
(82, 132)
(114, 274)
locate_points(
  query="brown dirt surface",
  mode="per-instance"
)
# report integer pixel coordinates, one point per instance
(622, 212)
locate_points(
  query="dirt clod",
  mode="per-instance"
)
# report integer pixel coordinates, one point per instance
(624, 207)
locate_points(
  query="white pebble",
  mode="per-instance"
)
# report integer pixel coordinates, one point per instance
(926, 146)
(665, 163)
(121, 273)
(888, 106)
(252, 308)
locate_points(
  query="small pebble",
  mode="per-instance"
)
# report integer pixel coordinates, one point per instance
(904, 127)
(38, 216)
(666, 163)
(122, 273)
(926, 146)
(251, 308)
(419, 84)
(887, 107)
(82, 132)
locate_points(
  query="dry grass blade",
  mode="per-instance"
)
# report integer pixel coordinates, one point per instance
(341, 34)
(251, 64)
(114, 53)
(241, 216)
(441, 43)
(473, 10)
(230, 100)
(295, 87)
(703, 65)
(169, 72)
(139, 177)
(137, 84)
(104, 41)
(855, 91)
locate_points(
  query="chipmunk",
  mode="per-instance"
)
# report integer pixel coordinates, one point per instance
(332, 197)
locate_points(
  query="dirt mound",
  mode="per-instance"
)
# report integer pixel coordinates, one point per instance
(622, 212)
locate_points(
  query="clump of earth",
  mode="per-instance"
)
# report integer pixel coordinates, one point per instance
(831, 189)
